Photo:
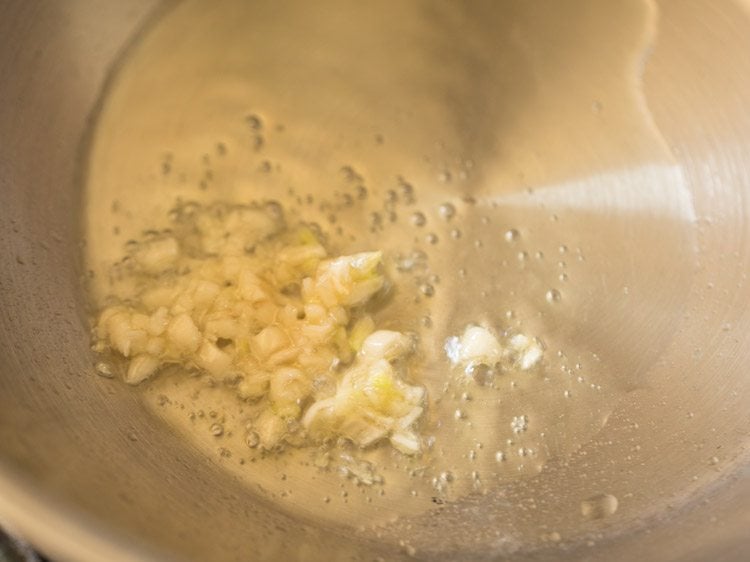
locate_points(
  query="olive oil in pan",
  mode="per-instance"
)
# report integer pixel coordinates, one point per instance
(467, 143)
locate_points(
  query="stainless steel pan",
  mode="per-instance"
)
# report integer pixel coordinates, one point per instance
(531, 95)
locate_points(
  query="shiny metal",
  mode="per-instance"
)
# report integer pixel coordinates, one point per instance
(628, 121)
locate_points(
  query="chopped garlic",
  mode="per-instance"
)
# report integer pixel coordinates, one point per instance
(183, 334)
(230, 292)
(527, 351)
(157, 255)
(140, 368)
(363, 328)
(386, 344)
(479, 346)
(212, 359)
(372, 402)
(348, 280)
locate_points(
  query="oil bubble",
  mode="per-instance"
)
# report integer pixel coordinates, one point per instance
(427, 289)
(519, 424)
(512, 235)
(447, 211)
(444, 176)
(252, 439)
(418, 219)
(103, 369)
(552, 296)
(599, 506)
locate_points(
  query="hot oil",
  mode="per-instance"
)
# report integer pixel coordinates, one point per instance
(489, 156)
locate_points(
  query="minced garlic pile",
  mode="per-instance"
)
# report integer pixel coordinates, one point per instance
(231, 291)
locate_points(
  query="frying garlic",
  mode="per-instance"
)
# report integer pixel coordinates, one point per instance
(233, 293)
(478, 346)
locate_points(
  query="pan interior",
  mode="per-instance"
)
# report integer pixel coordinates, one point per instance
(585, 214)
